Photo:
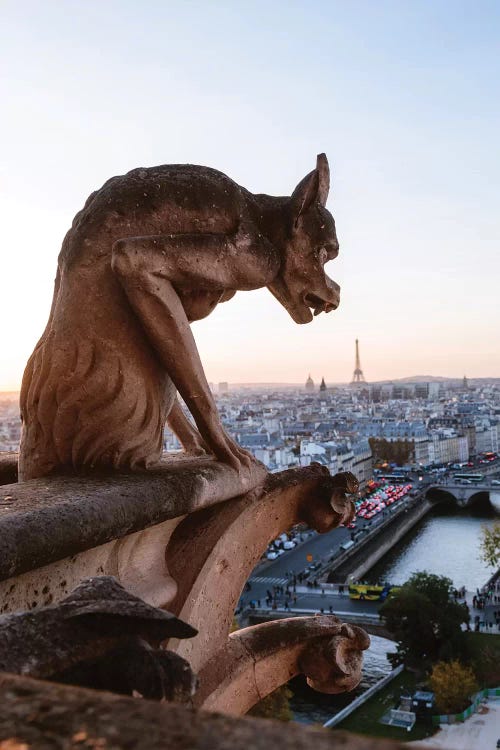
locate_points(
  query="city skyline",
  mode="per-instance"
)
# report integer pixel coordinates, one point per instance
(403, 99)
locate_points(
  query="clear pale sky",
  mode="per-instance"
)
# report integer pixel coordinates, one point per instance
(403, 96)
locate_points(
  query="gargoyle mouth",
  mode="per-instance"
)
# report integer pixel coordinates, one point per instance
(318, 304)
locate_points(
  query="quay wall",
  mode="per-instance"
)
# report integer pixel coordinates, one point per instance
(357, 702)
(358, 560)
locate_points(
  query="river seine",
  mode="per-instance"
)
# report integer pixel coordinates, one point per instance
(445, 542)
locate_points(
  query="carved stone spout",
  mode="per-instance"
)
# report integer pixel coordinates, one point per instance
(259, 659)
(334, 665)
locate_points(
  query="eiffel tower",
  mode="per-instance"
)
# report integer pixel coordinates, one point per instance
(358, 376)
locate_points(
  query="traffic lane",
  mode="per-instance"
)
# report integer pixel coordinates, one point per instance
(319, 546)
(295, 559)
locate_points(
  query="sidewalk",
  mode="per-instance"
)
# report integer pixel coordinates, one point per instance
(489, 615)
(480, 732)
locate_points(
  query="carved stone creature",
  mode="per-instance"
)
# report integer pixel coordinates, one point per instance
(332, 504)
(334, 665)
(257, 660)
(150, 252)
(99, 636)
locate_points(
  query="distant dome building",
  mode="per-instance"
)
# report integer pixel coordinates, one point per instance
(322, 387)
(309, 383)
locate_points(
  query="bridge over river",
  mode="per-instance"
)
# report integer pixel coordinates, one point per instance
(464, 492)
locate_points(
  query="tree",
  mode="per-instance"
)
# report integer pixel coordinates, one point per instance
(453, 685)
(399, 452)
(490, 545)
(425, 621)
(276, 705)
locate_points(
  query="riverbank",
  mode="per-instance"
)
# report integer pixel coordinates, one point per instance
(445, 542)
(483, 656)
(367, 552)
(366, 719)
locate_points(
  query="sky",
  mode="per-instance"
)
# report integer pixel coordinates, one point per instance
(403, 97)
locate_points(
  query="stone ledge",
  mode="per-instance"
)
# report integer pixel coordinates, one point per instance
(48, 716)
(8, 467)
(45, 520)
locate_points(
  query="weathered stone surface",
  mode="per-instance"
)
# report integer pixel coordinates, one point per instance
(44, 716)
(334, 665)
(224, 543)
(150, 252)
(257, 660)
(195, 563)
(8, 467)
(99, 636)
(45, 520)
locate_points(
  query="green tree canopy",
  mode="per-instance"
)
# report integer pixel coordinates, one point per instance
(425, 621)
(490, 545)
(276, 705)
(399, 452)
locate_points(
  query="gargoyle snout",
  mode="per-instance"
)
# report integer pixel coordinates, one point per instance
(324, 297)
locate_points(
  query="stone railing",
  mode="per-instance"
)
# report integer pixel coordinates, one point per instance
(184, 537)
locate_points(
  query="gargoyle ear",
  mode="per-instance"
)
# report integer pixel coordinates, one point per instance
(313, 187)
(323, 170)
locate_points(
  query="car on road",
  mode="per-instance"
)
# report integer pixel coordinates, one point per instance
(271, 555)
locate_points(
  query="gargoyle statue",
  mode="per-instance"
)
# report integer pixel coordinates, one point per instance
(101, 637)
(150, 252)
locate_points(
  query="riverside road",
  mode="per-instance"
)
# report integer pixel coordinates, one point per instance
(323, 548)
(320, 547)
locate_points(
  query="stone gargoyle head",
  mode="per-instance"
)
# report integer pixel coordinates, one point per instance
(334, 665)
(309, 241)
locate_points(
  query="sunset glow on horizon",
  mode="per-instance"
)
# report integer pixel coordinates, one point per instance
(404, 100)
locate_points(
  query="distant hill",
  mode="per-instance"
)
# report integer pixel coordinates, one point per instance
(419, 379)
(426, 379)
